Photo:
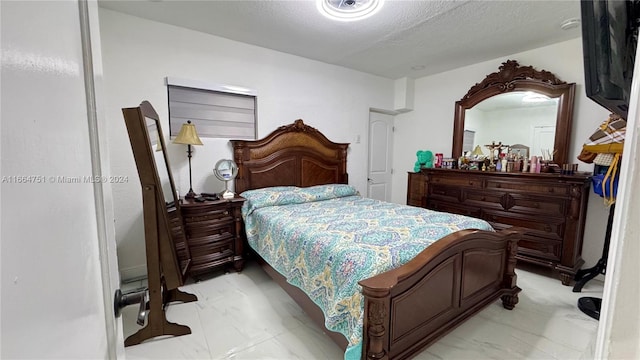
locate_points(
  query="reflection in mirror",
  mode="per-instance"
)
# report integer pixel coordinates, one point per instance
(157, 149)
(488, 113)
(520, 119)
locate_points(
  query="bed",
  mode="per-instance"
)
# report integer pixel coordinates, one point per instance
(404, 307)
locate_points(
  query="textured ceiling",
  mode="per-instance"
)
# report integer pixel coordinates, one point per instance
(439, 35)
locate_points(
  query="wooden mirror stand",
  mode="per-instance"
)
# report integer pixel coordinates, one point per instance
(162, 223)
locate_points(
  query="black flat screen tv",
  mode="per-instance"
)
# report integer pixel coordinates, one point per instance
(609, 41)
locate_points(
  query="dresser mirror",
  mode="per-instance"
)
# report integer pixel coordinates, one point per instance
(520, 106)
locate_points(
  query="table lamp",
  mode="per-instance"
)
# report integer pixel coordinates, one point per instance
(188, 136)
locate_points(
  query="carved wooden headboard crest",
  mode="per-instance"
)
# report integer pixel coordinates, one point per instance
(295, 154)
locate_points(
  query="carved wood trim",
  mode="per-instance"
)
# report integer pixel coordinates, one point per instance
(509, 71)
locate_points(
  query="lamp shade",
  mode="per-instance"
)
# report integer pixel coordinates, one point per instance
(477, 151)
(188, 135)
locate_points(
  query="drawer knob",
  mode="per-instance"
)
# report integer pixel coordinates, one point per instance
(470, 182)
(547, 228)
(226, 212)
(536, 205)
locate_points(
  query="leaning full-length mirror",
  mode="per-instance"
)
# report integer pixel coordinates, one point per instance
(167, 186)
(163, 228)
(520, 106)
(149, 150)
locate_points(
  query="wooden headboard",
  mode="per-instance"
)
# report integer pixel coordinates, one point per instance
(295, 154)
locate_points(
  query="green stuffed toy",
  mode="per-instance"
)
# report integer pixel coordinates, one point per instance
(425, 160)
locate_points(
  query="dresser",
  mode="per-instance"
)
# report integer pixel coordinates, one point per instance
(551, 207)
(416, 189)
(213, 234)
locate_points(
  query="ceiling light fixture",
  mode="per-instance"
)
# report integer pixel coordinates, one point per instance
(570, 24)
(348, 10)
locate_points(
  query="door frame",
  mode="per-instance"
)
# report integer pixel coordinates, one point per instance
(103, 199)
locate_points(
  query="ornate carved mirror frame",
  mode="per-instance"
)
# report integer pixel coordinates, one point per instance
(513, 77)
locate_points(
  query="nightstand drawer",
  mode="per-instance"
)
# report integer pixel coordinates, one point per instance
(209, 228)
(197, 241)
(212, 245)
(206, 214)
(206, 262)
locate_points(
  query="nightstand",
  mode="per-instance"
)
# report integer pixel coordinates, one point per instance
(214, 233)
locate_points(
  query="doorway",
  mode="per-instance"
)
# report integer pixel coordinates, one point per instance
(380, 167)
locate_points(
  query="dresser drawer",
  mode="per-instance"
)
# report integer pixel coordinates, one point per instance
(540, 247)
(551, 206)
(445, 193)
(551, 227)
(537, 187)
(484, 199)
(453, 208)
(459, 180)
(539, 244)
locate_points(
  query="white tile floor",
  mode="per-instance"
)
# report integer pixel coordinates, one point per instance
(247, 316)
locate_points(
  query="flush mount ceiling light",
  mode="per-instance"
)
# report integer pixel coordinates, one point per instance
(348, 10)
(570, 24)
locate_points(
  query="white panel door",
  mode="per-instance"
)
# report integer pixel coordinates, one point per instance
(543, 139)
(380, 155)
(56, 299)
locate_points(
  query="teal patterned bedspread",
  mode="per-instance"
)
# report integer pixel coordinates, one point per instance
(324, 239)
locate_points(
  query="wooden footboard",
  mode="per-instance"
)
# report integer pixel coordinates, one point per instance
(412, 306)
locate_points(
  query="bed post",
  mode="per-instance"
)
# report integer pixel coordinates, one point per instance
(377, 318)
(510, 300)
(238, 158)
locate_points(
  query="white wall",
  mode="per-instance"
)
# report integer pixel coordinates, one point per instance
(138, 55)
(52, 292)
(430, 125)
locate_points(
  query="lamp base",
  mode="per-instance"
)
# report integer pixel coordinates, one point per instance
(190, 194)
